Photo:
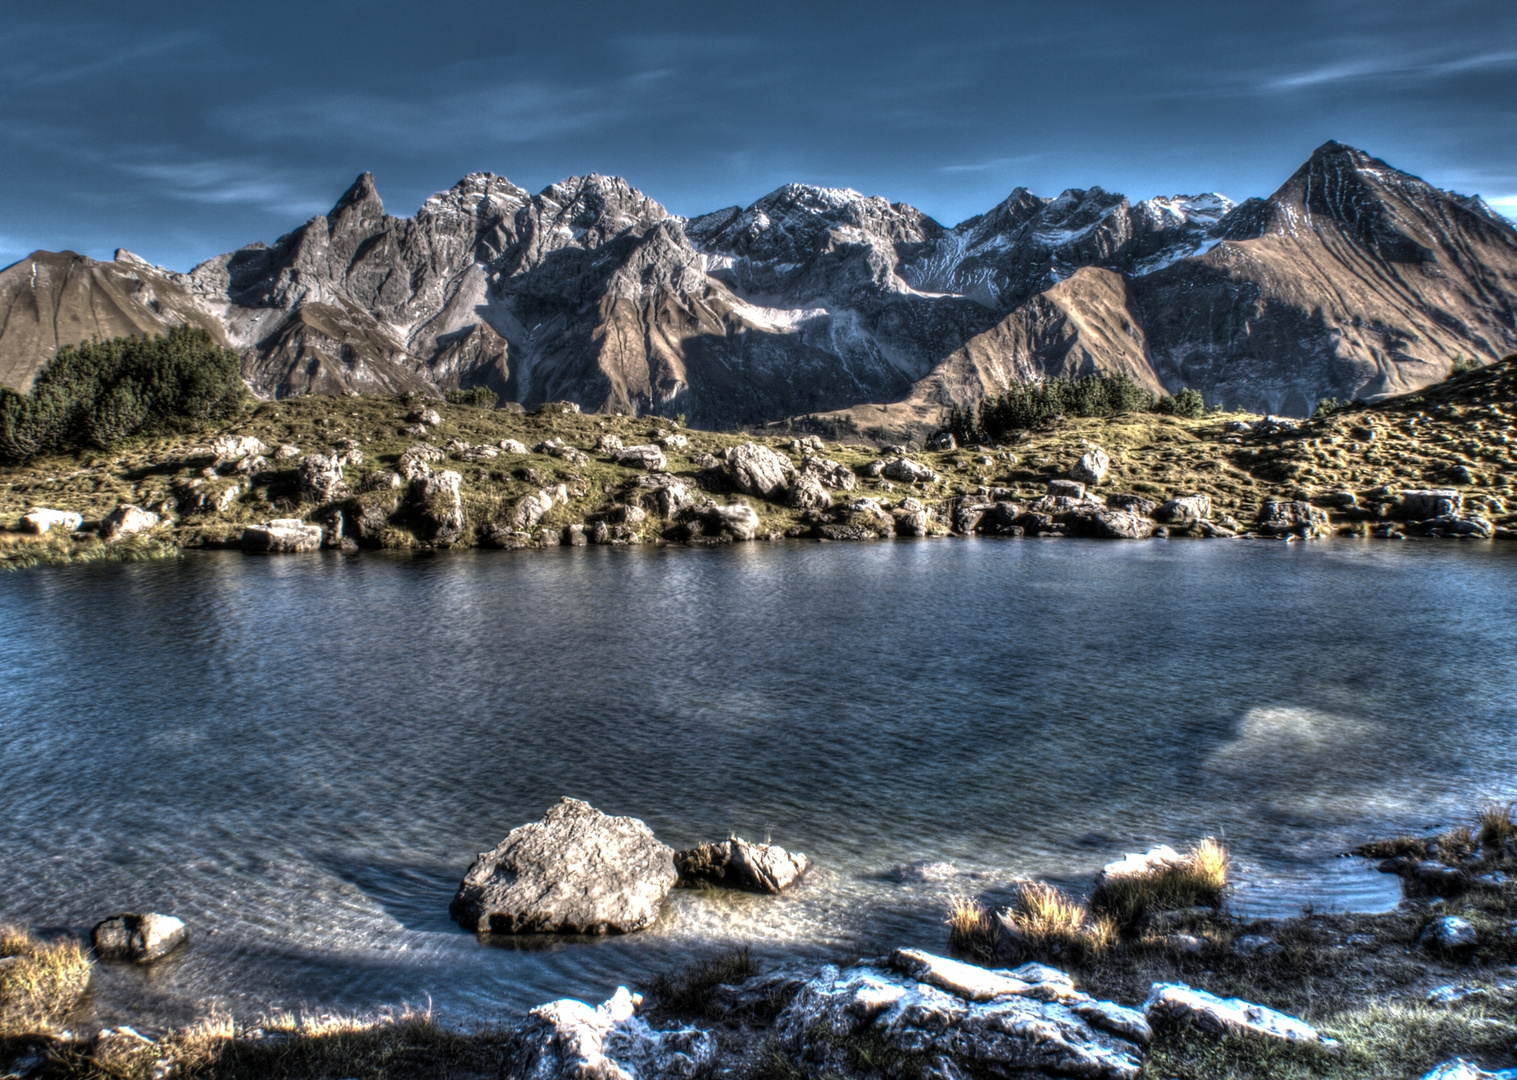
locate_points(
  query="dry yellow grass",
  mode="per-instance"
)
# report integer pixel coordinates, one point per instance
(40, 982)
(1045, 922)
(1495, 824)
(1199, 879)
(972, 929)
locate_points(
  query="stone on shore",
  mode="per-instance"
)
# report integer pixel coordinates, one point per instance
(956, 1019)
(1280, 516)
(739, 519)
(576, 871)
(831, 473)
(1431, 503)
(282, 536)
(321, 478)
(737, 864)
(140, 939)
(1186, 510)
(1450, 934)
(127, 520)
(569, 1040)
(1176, 1003)
(40, 519)
(758, 470)
(236, 447)
(1091, 467)
(808, 493)
(910, 472)
(1121, 525)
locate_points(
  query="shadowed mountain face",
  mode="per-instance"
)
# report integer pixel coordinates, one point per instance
(1352, 280)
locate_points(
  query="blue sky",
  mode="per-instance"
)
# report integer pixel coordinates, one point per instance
(180, 130)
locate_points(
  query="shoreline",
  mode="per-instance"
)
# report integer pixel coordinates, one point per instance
(405, 474)
(1373, 962)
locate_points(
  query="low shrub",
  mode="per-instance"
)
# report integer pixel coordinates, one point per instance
(1198, 879)
(40, 982)
(1495, 824)
(481, 397)
(1186, 402)
(100, 392)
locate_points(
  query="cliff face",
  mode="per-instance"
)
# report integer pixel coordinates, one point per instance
(1352, 280)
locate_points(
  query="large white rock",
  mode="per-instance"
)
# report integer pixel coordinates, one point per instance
(127, 520)
(1186, 510)
(321, 478)
(236, 447)
(908, 472)
(575, 871)
(569, 1040)
(1091, 467)
(1177, 1003)
(807, 493)
(739, 519)
(530, 509)
(758, 470)
(643, 456)
(832, 474)
(40, 519)
(959, 1019)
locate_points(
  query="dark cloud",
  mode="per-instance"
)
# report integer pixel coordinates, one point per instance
(180, 130)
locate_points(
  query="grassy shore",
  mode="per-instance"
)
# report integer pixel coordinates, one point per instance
(1354, 463)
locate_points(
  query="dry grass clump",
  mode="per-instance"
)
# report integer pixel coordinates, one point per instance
(1044, 922)
(1495, 824)
(1198, 879)
(57, 548)
(972, 929)
(40, 982)
(687, 991)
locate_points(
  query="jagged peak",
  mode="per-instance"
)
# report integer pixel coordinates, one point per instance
(361, 193)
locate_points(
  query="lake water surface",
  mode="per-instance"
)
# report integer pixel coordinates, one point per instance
(300, 756)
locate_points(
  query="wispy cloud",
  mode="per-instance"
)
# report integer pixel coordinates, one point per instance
(1506, 206)
(1401, 67)
(994, 164)
(224, 182)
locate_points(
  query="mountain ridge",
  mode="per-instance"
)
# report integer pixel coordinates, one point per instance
(1351, 279)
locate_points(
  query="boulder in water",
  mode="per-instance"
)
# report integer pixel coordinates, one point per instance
(138, 938)
(737, 864)
(576, 871)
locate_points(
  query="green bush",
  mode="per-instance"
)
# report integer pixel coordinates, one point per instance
(1326, 407)
(1463, 365)
(100, 392)
(1188, 403)
(1039, 404)
(479, 396)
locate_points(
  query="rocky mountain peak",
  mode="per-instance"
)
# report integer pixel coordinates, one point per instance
(359, 208)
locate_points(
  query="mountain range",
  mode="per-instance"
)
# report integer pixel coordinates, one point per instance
(1351, 280)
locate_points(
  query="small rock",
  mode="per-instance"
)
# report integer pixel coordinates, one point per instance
(608, 444)
(286, 451)
(943, 440)
(645, 456)
(382, 480)
(1177, 1003)
(908, 471)
(138, 938)
(1450, 933)
(512, 446)
(737, 864)
(236, 447)
(321, 479)
(1452, 995)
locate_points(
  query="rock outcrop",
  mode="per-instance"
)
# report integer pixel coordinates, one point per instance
(127, 520)
(1176, 1003)
(950, 1017)
(569, 1040)
(575, 871)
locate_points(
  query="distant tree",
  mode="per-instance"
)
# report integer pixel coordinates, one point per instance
(1326, 407)
(480, 396)
(1187, 403)
(100, 392)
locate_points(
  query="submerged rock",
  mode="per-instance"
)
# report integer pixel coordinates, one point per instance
(1177, 1003)
(569, 1040)
(138, 938)
(737, 864)
(575, 871)
(956, 1018)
